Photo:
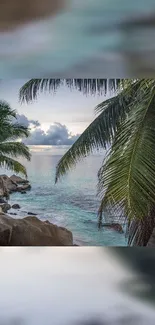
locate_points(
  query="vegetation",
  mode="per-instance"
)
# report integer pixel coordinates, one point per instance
(126, 124)
(10, 148)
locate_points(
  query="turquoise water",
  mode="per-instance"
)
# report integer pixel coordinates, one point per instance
(72, 202)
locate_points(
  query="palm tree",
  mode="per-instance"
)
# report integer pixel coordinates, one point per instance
(126, 123)
(29, 91)
(10, 132)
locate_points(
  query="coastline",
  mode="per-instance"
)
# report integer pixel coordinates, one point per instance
(28, 230)
(19, 189)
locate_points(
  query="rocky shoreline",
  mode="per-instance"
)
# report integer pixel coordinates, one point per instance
(27, 231)
(30, 230)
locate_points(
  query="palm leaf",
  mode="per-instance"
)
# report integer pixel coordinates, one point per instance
(100, 132)
(11, 164)
(15, 149)
(10, 132)
(5, 111)
(127, 176)
(29, 91)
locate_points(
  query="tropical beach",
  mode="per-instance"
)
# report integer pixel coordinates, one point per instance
(82, 182)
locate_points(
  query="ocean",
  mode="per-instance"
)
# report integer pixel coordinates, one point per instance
(72, 202)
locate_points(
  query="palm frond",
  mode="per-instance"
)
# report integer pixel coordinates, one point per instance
(10, 131)
(15, 149)
(11, 164)
(6, 112)
(30, 90)
(127, 176)
(129, 90)
(100, 132)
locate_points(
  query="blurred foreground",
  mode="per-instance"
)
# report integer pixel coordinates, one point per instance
(69, 38)
(69, 286)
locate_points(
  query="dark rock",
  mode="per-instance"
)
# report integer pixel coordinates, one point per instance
(23, 192)
(33, 214)
(2, 200)
(112, 225)
(13, 214)
(16, 206)
(5, 207)
(30, 231)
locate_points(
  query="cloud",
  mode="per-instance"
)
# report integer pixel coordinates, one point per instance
(57, 134)
(22, 119)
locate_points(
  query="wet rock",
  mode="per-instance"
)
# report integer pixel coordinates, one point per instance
(16, 206)
(5, 207)
(18, 179)
(30, 231)
(25, 187)
(111, 225)
(33, 214)
(2, 200)
(11, 184)
(13, 214)
(23, 192)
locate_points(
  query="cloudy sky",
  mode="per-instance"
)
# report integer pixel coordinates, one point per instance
(54, 119)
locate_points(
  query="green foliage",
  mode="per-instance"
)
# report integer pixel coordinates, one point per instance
(126, 178)
(30, 90)
(10, 132)
(126, 124)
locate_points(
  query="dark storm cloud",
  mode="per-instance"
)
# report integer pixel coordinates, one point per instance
(22, 119)
(57, 134)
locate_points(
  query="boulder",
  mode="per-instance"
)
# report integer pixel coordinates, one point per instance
(3, 188)
(25, 187)
(18, 179)
(5, 207)
(8, 184)
(11, 184)
(30, 231)
(16, 206)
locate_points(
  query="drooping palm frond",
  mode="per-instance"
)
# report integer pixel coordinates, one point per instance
(30, 90)
(129, 88)
(11, 164)
(6, 112)
(12, 132)
(100, 132)
(15, 149)
(127, 176)
(9, 132)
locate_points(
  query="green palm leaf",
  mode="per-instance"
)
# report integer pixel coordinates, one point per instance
(10, 132)
(127, 176)
(30, 90)
(15, 149)
(11, 164)
(100, 132)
